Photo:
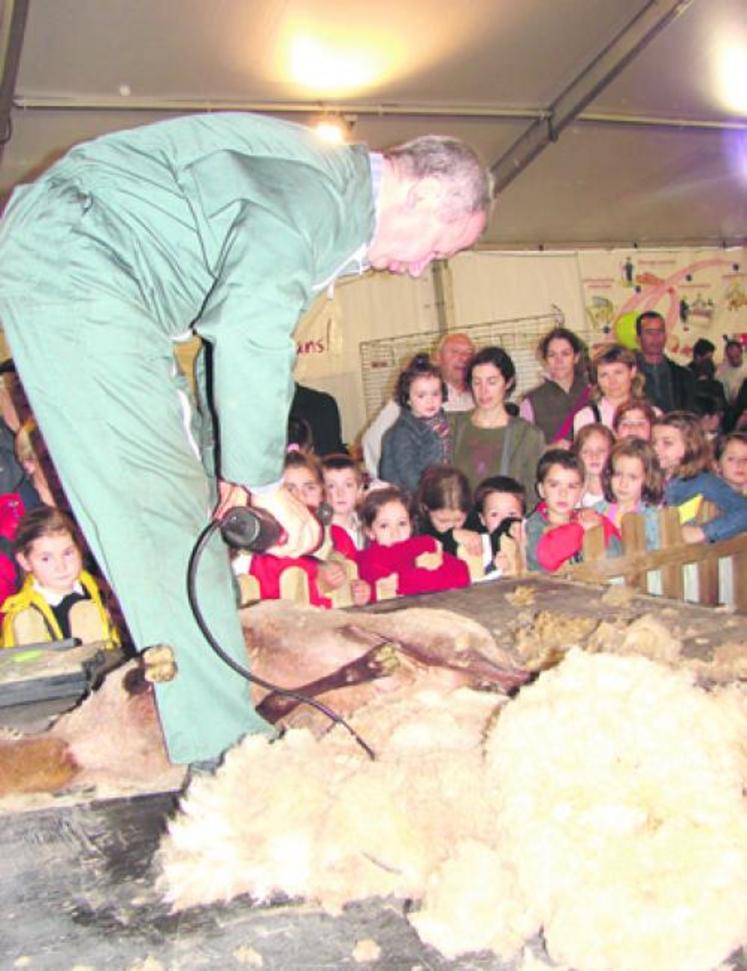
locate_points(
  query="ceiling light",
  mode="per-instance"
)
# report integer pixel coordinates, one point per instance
(334, 128)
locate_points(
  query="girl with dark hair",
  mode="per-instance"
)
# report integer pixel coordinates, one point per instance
(731, 460)
(58, 599)
(593, 445)
(442, 504)
(552, 405)
(419, 437)
(634, 420)
(488, 440)
(633, 482)
(408, 564)
(686, 459)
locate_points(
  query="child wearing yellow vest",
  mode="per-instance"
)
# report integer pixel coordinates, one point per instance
(58, 599)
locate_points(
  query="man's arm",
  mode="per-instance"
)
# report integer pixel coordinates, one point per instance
(264, 280)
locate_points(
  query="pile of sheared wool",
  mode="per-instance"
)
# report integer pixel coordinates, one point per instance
(603, 805)
(621, 809)
(317, 818)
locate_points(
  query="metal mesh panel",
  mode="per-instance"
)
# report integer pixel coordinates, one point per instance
(383, 359)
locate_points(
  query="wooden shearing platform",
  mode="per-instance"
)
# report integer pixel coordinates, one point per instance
(77, 882)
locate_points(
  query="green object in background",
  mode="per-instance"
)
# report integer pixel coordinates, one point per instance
(25, 656)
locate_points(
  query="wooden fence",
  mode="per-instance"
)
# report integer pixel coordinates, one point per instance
(721, 568)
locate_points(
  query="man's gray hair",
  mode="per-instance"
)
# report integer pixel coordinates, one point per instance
(452, 160)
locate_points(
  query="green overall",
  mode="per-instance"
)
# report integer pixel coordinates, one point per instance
(223, 224)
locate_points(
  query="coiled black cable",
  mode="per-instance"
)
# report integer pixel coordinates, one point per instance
(194, 560)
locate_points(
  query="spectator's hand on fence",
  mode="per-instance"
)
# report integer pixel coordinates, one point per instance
(693, 534)
(360, 592)
(470, 540)
(588, 518)
(331, 576)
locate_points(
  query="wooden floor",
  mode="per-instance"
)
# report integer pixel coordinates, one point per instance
(77, 889)
(77, 883)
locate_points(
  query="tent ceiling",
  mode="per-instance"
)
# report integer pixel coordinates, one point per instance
(481, 69)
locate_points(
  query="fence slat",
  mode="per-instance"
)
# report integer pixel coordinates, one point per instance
(708, 584)
(634, 541)
(739, 572)
(593, 548)
(672, 581)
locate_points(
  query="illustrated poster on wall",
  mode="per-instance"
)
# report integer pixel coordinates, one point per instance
(700, 293)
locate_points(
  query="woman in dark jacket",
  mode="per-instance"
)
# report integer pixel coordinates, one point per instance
(565, 390)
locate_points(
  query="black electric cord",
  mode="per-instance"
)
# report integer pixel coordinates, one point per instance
(194, 560)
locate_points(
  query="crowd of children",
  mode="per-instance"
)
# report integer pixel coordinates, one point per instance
(422, 528)
(428, 524)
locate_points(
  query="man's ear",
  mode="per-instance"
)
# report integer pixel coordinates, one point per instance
(427, 193)
(541, 490)
(23, 562)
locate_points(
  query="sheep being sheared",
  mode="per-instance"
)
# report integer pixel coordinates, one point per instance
(113, 739)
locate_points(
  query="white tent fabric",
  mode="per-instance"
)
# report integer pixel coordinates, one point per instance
(657, 155)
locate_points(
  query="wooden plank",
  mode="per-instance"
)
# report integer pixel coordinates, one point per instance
(708, 584)
(634, 542)
(594, 546)
(670, 531)
(655, 559)
(739, 568)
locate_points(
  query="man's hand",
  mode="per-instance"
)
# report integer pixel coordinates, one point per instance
(302, 529)
(230, 496)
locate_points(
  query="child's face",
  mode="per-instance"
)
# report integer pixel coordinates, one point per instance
(426, 397)
(497, 506)
(304, 485)
(561, 490)
(443, 519)
(733, 464)
(669, 445)
(341, 490)
(627, 480)
(54, 561)
(594, 453)
(634, 424)
(391, 525)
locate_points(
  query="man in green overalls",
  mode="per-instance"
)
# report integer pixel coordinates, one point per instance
(227, 226)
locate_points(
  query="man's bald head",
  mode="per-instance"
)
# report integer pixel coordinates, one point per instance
(433, 202)
(451, 161)
(452, 356)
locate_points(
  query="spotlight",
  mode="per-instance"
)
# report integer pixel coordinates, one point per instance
(334, 128)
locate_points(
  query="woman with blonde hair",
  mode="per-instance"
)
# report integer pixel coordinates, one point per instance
(615, 381)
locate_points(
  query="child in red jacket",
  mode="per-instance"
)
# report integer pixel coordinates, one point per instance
(410, 564)
(555, 530)
(11, 512)
(324, 577)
